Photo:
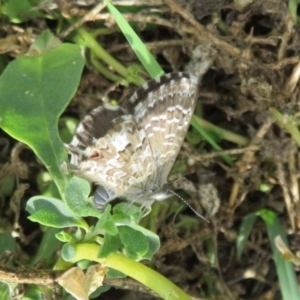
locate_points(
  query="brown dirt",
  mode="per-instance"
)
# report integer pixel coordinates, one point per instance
(248, 58)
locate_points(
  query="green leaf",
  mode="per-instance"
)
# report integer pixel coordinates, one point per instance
(52, 212)
(106, 223)
(293, 7)
(47, 247)
(21, 10)
(44, 43)
(7, 243)
(112, 273)
(46, 185)
(285, 270)
(244, 233)
(112, 243)
(76, 196)
(34, 91)
(142, 52)
(126, 211)
(153, 240)
(68, 251)
(128, 214)
(7, 185)
(101, 290)
(67, 126)
(64, 237)
(135, 243)
(6, 293)
(195, 122)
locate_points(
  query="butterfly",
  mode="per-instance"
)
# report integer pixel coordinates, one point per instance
(129, 152)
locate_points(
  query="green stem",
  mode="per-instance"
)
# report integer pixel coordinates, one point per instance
(288, 123)
(195, 122)
(104, 71)
(99, 52)
(150, 278)
(102, 54)
(224, 134)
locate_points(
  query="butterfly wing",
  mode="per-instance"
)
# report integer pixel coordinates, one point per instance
(109, 150)
(131, 155)
(163, 108)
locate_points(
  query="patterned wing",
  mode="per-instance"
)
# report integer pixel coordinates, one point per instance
(110, 150)
(131, 155)
(94, 126)
(163, 108)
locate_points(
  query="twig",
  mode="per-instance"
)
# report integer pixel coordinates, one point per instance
(286, 195)
(202, 31)
(88, 17)
(227, 152)
(247, 158)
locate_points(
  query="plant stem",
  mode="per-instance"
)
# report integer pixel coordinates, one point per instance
(223, 133)
(150, 278)
(288, 123)
(102, 54)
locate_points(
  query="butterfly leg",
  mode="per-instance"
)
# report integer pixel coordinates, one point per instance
(146, 209)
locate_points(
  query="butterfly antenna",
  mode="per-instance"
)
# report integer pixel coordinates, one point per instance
(184, 201)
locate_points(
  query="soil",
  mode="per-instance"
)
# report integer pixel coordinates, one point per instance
(245, 53)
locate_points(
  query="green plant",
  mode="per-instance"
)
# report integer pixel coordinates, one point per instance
(34, 92)
(287, 277)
